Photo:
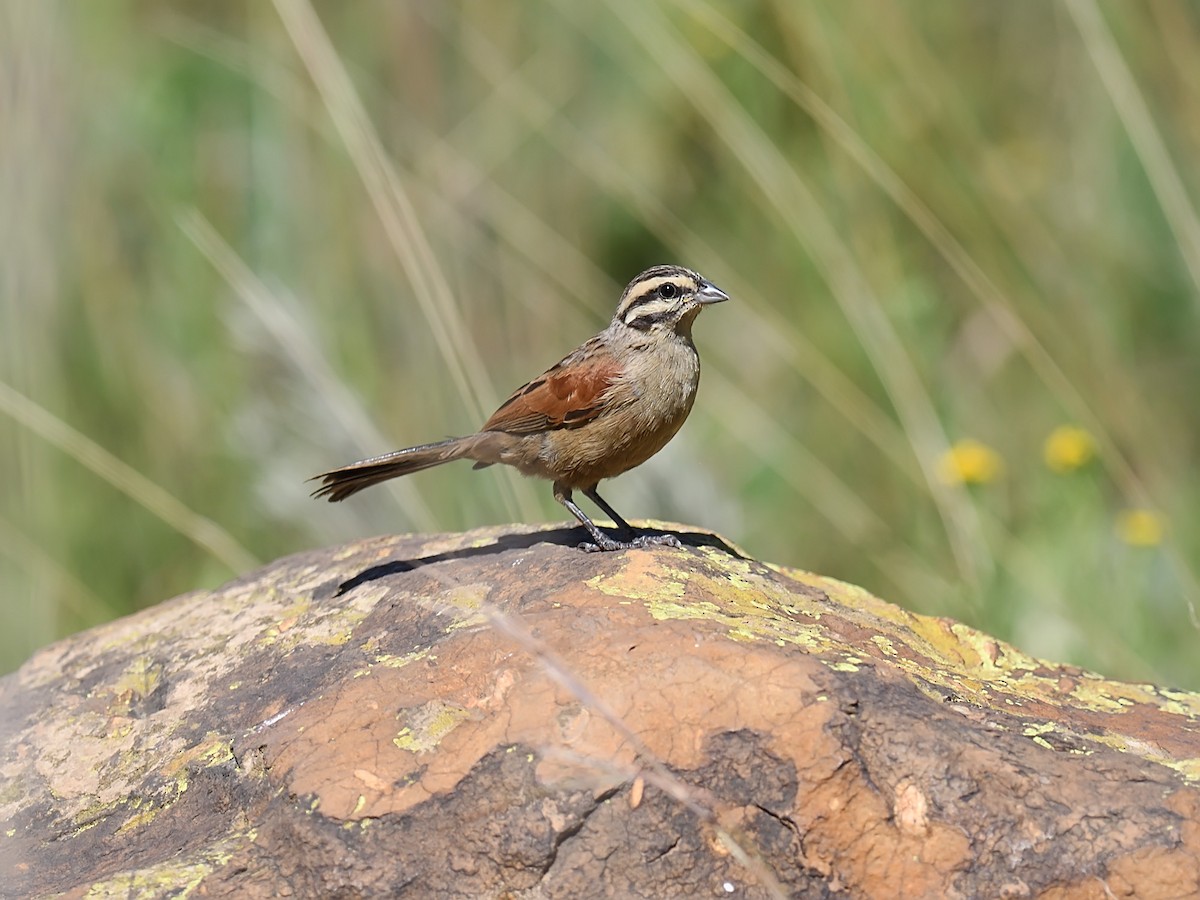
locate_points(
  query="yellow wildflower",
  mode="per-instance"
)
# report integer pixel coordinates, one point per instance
(1141, 527)
(970, 462)
(1068, 448)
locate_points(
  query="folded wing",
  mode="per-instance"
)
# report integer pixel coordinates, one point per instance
(567, 395)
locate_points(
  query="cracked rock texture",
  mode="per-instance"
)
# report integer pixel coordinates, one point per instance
(498, 714)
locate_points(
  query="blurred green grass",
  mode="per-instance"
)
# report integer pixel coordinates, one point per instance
(245, 242)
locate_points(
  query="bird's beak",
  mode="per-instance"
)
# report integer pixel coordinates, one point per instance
(710, 293)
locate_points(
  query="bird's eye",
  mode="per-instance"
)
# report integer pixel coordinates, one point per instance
(668, 291)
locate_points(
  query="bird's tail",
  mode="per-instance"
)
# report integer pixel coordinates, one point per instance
(338, 484)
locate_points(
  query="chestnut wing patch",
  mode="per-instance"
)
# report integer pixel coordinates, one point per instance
(565, 396)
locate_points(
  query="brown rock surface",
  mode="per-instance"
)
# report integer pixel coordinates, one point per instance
(493, 714)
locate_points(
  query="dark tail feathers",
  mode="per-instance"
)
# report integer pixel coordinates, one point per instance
(338, 484)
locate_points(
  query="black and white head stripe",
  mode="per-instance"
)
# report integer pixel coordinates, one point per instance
(658, 294)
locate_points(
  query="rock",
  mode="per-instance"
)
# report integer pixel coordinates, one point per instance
(498, 714)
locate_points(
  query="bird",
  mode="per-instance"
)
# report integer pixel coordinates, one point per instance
(604, 408)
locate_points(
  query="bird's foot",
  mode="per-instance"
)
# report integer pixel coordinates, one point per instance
(639, 542)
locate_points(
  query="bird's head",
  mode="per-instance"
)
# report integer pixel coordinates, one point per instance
(666, 297)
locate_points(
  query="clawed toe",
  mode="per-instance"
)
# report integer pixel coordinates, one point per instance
(647, 540)
(638, 543)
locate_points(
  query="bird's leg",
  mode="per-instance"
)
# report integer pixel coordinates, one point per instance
(592, 494)
(562, 494)
(641, 540)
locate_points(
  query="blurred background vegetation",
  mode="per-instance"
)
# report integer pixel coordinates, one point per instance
(244, 242)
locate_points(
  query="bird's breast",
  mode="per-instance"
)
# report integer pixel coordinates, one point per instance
(647, 406)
